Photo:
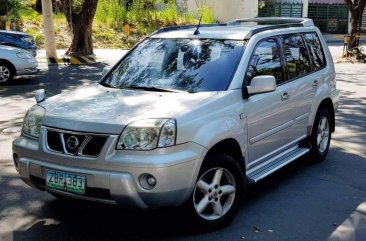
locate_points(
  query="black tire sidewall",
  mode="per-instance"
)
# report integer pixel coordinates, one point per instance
(316, 155)
(228, 163)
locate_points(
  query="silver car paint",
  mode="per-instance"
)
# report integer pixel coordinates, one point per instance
(107, 110)
(22, 66)
(262, 125)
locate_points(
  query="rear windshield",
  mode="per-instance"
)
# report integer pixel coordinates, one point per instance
(192, 65)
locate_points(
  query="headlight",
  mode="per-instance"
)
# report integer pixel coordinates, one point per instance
(148, 134)
(33, 121)
(25, 55)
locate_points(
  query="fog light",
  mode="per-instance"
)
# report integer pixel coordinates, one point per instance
(147, 181)
(16, 160)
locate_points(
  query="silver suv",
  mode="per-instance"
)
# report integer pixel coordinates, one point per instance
(189, 117)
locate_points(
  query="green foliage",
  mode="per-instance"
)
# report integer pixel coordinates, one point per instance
(30, 15)
(37, 35)
(9, 10)
(143, 17)
(207, 14)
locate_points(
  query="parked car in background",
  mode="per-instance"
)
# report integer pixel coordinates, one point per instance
(190, 116)
(15, 61)
(18, 39)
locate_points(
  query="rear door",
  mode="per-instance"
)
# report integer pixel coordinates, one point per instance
(299, 81)
(304, 61)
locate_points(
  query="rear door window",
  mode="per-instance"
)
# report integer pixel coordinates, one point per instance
(265, 60)
(316, 51)
(296, 56)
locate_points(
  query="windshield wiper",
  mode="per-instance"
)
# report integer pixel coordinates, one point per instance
(151, 88)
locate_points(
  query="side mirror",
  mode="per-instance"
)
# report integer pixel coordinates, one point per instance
(40, 95)
(105, 70)
(262, 84)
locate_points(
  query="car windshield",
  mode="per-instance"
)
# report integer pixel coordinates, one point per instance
(192, 65)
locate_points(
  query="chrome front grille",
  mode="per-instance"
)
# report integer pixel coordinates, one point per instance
(75, 143)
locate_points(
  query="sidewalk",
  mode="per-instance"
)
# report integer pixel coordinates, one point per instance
(103, 55)
(337, 39)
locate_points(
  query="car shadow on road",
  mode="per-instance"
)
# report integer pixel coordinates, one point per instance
(55, 79)
(76, 220)
(82, 220)
(93, 221)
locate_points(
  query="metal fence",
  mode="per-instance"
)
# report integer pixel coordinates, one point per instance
(290, 8)
(330, 18)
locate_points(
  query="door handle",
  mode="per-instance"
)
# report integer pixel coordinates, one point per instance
(315, 83)
(285, 96)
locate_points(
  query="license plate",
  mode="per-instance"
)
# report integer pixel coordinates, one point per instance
(65, 181)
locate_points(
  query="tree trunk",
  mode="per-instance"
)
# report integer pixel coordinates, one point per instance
(356, 21)
(38, 6)
(356, 8)
(80, 20)
(82, 42)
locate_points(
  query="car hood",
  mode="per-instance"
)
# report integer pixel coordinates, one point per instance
(106, 110)
(11, 49)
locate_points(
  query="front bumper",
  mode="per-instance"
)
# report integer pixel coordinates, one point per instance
(114, 176)
(25, 66)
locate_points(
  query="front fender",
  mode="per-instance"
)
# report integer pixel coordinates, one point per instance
(221, 129)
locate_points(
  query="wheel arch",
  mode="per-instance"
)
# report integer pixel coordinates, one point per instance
(10, 64)
(230, 147)
(326, 104)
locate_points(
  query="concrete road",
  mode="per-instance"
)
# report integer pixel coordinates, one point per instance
(302, 202)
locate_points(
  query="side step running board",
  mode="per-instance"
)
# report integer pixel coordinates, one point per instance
(276, 163)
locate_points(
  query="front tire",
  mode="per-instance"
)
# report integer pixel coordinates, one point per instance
(218, 192)
(320, 136)
(6, 73)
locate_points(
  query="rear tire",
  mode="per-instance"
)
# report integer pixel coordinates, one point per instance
(320, 136)
(6, 73)
(217, 194)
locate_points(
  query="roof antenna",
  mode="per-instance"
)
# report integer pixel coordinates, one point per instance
(198, 26)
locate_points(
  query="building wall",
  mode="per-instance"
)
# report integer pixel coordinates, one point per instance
(225, 10)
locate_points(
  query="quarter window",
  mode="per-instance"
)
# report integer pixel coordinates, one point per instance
(316, 50)
(265, 61)
(296, 56)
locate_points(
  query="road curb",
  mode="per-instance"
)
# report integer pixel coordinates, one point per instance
(74, 60)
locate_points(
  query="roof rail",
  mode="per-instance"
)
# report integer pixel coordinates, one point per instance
(181, 27)
(305, 22)
(271, 27)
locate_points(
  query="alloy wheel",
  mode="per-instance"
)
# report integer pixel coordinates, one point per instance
(323, 134)
(4, 74)
(214, 193)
